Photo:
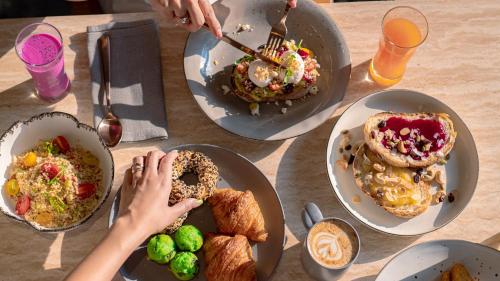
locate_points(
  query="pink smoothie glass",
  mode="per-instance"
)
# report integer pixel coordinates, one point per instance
(40, 47)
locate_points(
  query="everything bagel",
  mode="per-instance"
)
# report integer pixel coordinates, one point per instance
(198, 163)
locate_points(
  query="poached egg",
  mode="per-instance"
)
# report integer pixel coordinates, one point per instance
(261, 73)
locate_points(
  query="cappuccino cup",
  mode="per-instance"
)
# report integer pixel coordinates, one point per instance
(331, 245)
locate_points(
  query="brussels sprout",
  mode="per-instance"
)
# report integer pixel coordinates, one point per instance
(184, 266)
(161, 248)
(189, 238)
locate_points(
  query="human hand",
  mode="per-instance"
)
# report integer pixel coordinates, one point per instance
(145, 193)
(198, 11)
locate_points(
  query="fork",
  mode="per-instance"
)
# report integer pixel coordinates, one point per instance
(277, 35)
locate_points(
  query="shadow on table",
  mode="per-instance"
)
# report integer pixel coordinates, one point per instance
(14, 29)
(303, 164)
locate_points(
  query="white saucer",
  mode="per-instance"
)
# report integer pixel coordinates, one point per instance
(461, 170)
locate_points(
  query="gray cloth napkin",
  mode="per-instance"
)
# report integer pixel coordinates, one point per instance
(136, 78)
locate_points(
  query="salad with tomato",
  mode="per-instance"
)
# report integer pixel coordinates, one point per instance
(255, 81)
(55, 184)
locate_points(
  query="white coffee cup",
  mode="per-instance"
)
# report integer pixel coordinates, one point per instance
(311, 216)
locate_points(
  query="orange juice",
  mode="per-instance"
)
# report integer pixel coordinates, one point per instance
(400, 39)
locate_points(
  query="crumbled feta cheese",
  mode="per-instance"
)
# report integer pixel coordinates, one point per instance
(254, 109)
(288, 102)
(243, 27)
(276, 103)
(314, 90)
(283, 110)
(225, 89)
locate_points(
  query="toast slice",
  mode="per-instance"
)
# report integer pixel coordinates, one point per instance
(392, 188)
(410, 139)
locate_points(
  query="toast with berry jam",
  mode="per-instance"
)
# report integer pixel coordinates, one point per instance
(410, 139)
(392, 188)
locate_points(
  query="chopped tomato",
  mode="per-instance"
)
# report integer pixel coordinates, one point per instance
(241, 68)
(49, 170)
(304, 52)
(61, 143)
(12, 187)
(85, 190)
(22, 205)
(29, 159)
(274, 87)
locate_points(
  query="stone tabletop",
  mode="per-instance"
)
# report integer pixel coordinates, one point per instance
(459, 64)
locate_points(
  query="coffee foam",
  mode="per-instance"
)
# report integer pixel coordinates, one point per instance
(330, 245)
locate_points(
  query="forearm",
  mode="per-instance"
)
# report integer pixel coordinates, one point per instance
(105, 260)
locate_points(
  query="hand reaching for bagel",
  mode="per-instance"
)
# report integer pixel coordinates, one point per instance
(197, 11)
(145, 193)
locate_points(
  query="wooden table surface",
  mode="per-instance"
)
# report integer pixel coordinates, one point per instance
(459, 64)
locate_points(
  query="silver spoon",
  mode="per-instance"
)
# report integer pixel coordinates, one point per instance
(110, 128)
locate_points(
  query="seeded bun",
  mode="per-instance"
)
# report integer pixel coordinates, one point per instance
(364, 175)
(373, 137)
(297, 93)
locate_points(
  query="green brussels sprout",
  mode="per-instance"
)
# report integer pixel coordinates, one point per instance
(184, 266)
(189, 238)
(161, 248)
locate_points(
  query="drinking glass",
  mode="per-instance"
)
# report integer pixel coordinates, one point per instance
(403, 30)
(40, 47)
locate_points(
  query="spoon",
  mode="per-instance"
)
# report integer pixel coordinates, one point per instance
(110, 127)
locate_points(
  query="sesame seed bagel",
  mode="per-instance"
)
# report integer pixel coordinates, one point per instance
(175, 225)
(410, 139)
(198, 163)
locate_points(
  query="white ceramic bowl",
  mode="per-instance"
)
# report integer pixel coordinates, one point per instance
(22, 136)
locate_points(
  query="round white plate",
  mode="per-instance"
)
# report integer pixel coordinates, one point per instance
(426, 261)
(208, 64)
(461, 170)
(239, 173)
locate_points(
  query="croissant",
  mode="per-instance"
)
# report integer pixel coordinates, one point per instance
(237, 212)
(228, 258)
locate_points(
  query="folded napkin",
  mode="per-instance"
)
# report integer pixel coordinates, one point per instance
(136, 78)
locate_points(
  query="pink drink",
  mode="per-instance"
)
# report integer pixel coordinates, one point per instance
(42, 53)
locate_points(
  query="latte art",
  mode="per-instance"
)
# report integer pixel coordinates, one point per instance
(329, 245)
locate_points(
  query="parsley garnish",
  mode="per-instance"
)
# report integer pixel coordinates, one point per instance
(300, 44)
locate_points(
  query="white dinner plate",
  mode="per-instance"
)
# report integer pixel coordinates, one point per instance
(461, 170)
(426, 261)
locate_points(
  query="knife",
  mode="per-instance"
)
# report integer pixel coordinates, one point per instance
(246, 49)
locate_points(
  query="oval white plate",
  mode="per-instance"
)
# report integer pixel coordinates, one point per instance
(462, 168)
(23, 136)
(427, 260)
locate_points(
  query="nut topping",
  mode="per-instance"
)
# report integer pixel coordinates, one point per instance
(405, 131)
(378, 167)
(342, 164)
(402, 148)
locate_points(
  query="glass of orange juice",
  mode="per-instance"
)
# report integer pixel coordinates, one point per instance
(403, 30)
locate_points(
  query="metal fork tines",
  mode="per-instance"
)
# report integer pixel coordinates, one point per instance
(277, 36)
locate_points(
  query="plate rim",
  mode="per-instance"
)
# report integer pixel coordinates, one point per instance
(331, 175)
(330, 109)
(461, 241)
(213, 146)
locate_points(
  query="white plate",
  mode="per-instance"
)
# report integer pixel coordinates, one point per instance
(461, 170)
(427, 260)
